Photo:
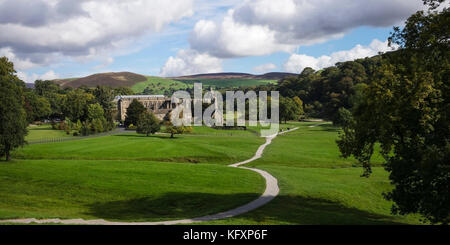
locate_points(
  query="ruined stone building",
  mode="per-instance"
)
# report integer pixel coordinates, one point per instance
(159, 105)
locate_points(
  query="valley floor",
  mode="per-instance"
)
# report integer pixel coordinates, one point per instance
(130, 177)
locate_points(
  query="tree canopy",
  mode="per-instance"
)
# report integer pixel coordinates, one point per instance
(13, 118)
(406, 110)
(134, 111)
(148, 124)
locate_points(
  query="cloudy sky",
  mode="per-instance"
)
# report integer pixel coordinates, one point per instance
(49, 39)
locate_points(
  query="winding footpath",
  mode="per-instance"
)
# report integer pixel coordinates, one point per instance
(269, 194)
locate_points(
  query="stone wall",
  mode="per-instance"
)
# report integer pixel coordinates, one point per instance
(158, 104)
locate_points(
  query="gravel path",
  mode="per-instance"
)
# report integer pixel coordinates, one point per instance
(269, 194)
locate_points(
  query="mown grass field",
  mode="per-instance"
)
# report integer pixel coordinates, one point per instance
(135, 178)
(213, 149)
(319, 187)
(130, 177)
(44, 132)
(121, 190)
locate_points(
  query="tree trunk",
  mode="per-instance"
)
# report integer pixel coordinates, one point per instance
(171, 135)
(8, 157)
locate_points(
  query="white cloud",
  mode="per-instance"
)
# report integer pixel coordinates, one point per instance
(50, 75)
(39, 31)
(20, 64)
(297, 62)
(232, 39)
(261, 27)
(188, 62)
(264, 68)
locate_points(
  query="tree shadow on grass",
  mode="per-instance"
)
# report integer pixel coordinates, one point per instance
(327, 128)
(297, 210)
(170, 206)
(284, 209)
(142, 136)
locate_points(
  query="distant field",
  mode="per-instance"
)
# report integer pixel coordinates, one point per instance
(44, 132)
(158, 85)
(318, 187)
(121, 190)
(130, 177)
(229, 83)
(133, 177)
(218, 149)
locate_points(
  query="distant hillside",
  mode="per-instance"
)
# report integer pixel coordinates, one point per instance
(232, 79)
(157, 85)
(235, 75)
(275, 75)
(113, 79)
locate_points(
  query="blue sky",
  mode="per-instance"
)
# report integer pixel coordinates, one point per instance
(57, 39)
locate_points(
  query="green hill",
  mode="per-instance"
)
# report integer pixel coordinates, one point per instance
(158, 85)
(142, 84)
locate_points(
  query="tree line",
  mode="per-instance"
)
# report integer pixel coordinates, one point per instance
(398, 100)
(80, 111)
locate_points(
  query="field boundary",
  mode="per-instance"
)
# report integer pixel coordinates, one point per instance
(272, 190)
(63, 139)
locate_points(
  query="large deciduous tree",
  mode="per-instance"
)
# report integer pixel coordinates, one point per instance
(148, 124)
(134, 110)
(407, 111)
(13, 118)
(37, 107)
(290, 109)
(75, 104)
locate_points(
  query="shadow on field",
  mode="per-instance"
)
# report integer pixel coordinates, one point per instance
(146, 137)
(173, 205)
(327, 128)
(284, 209)
(297, 210)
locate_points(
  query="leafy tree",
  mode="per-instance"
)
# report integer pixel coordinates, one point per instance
(172, 130)
(94, 111)
(53, 94)
(289, 109)
(344, 117)
(44, 88)
(406, 110)
(13, 118)
(97, 125)
(134, 110)
(36, 107)
(122, 91)
(104, 96)
(75, 104)
(86, 128)
(299, 104)
(148, 124)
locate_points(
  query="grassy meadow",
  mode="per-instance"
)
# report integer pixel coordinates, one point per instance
(159, 85)
(213, 149)
(317, 187)
(44, 132)
(121, 189)
(131, 177)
